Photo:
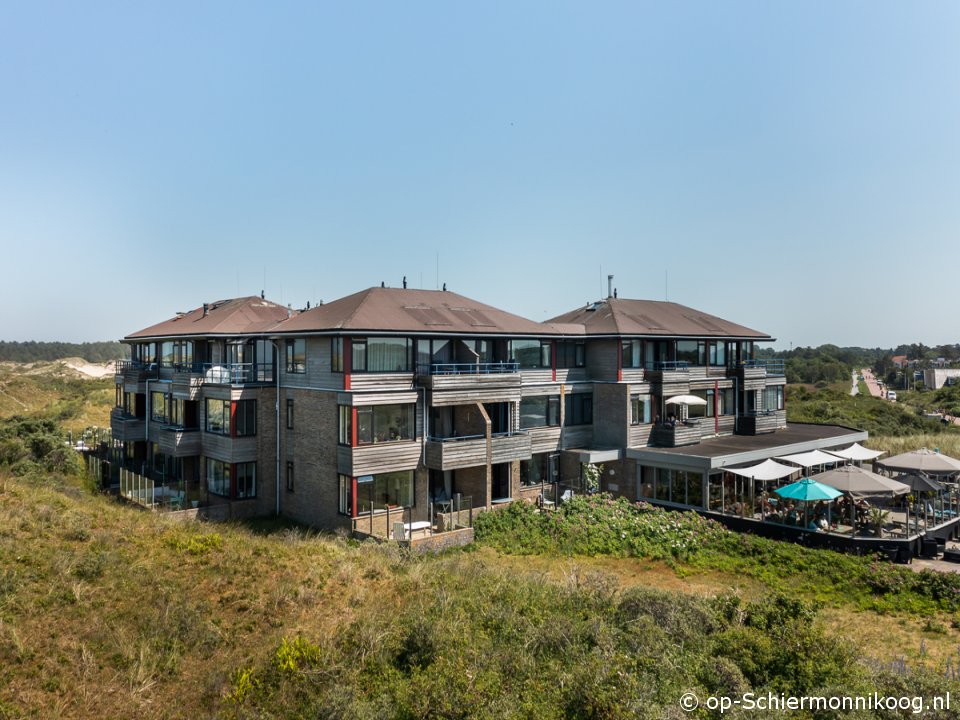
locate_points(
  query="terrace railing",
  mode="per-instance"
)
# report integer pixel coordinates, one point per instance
(668, 366)
(773, 366)
(473, 368)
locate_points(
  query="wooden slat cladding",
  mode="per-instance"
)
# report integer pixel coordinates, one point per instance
(468, 397)
(179, 443)
(364, 399)
(761, 424)
(127, 429)
(603, 359)
(545, 439)
(577, 436)
(378, 458)
(381, 381)
(228, 449)
(470, 381)
(453, 455)
(638, 435)
(666, 436)
(318, 373)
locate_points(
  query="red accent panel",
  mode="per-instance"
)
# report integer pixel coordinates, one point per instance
(353, 427)
(353, 497)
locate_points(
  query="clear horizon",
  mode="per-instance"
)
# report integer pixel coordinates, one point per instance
(789, 168)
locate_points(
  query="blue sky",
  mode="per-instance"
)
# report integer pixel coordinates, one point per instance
(794, 167)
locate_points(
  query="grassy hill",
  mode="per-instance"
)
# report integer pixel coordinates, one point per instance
(53, 390)
(108, 611)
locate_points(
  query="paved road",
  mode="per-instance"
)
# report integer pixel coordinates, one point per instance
(871, 382)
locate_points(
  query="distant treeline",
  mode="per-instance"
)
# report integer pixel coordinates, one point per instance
(827, 363)
(32, 351)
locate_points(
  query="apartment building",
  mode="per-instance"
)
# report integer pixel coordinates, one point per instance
(399, 400)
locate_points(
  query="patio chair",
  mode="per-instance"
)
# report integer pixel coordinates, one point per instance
(399, 531)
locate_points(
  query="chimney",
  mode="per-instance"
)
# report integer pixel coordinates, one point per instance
(444, 287)
(206, 309)
(263, 295)
(289, 310)
(383, 284)
(614, 293)
(609, 286)
(308, 304)
(404, 282)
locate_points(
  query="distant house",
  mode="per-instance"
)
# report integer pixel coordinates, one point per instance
(900, 361)
(936, 378)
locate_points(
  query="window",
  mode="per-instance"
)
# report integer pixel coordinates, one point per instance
(297, 356)
(639, 409)
(246, 418)
(702, 410)
(379, 492)
(336, 354)
(679, 486)
(579, 409)
(539, 469)
(727, 402)
(346, 425)
(773, 398)
(540, 411)
(289, 476)
(289, 414)
(346, 484)
(631, 354)
(218, 477)
(382, 354)
(384, 423)
(218, 416)
(182, 354)
(718, 355)
(158, 407)
(571, 354)
(166, 354)
(693, 352)
(531, 354)
(246, 480)
(176, 412)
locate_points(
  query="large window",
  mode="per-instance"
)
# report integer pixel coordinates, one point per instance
(631, 354)
(246, 418)
(218, 477)
(346, 484)
(345, 425)
(531, 354)
(571, 354)
(679, 486)
(639, 409)
(382, 354)
(218, 416)
(539, 469)
(540, 411)
(336, 354)
(297, 356)
(718, 354)
(693, 352)
(773, 398)
(166, 353)
(158, 407)
(379, 492)
(579, 409)
(385, 423)
(727, 402)
(702, 410)
(246, 480)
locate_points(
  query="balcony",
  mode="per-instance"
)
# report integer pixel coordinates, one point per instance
(179, 442)
(127, 428)
(461, 383)
(133, 371)
(196, 374)
(761, 422)
(683, 433)
(470, 451)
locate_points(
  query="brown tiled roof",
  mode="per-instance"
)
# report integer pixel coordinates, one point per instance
(411, 311)
(237, 316)
(620, 316)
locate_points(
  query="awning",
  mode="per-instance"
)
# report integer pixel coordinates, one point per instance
(922, 460)
(808, 489)
(810, 459)
(856, 480)
(767, 470)
(857, 452)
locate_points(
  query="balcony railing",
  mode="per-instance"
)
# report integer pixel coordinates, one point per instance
(475, 368)
(228, 373)
(668, 366)
(772, 366)
(461, 438)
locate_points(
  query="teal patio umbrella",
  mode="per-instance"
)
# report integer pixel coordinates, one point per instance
(806, 490)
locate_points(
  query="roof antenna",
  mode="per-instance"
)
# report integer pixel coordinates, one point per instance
(404, 282)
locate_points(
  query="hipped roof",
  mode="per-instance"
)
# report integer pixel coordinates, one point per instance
(621, 316)
(403, 310)
(237, 316)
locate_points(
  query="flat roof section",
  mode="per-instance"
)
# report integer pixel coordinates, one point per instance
(731, 450)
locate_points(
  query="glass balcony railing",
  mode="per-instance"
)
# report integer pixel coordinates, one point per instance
(473, 368)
